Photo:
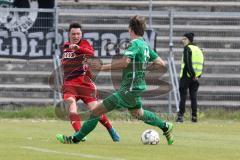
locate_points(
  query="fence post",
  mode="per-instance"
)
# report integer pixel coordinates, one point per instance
(172, 69)
(150, 14)
(56, 61)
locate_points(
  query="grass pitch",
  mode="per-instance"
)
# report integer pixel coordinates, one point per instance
(35, 140)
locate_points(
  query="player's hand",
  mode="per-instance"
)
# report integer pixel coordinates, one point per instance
(195, 78)
(74, 47)
(96, 65)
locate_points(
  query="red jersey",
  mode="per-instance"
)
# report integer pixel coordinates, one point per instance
(74, 63)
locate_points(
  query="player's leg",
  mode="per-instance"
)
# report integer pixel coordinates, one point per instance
(73, 115)
(88, 125)
(183, 86)
(93, 117)
(70, 92)
(76, 89)
(90, 98)
(193, 88)
(152, 119)
(106, 123)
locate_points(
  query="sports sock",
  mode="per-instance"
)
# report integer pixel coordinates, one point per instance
(152, 119)
(75, 121)
(105, 122)
(87, 127)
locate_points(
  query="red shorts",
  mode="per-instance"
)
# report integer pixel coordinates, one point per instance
(81, 87)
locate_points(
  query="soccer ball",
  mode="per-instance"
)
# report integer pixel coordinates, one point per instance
(150, 136)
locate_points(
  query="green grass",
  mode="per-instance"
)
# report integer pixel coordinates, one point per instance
(29, 112)
(49, 113)
(29, 139)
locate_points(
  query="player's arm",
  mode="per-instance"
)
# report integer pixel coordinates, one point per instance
(121, 63)
(157, 62)
(117, 64)
(188, 61)
(84, 48)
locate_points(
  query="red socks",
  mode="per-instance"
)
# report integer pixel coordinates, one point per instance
(75, 121)
(105, 122)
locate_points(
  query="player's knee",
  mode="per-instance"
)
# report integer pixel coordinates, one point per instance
(99, 110)
(136, 113)
(70, 100)
(71, 104)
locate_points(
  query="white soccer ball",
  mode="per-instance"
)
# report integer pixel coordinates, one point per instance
(150, 136)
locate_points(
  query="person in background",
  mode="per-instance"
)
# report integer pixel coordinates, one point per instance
(191, 71)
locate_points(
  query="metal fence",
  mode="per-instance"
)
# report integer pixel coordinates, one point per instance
(26, 82)
(217, 33)
(218, 36)
(27, 43)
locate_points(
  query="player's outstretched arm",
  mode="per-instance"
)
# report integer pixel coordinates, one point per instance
(158, 64)
(115, 65)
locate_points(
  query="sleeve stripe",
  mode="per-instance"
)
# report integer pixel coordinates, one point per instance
(128, 53)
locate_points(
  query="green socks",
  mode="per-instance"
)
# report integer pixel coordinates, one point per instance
(87, 127)
(152, 119)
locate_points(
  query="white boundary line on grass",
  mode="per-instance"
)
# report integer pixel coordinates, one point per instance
(44, 150)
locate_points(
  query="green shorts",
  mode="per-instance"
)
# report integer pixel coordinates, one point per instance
(129, 100)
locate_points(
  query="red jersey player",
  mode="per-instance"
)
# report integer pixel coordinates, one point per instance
(77, 82)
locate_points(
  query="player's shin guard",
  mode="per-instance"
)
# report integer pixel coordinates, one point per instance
(87, 127)
(152, 119)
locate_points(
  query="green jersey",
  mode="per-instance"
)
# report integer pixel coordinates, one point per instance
(133, 77)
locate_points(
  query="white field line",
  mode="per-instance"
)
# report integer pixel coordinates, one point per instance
(44, 150)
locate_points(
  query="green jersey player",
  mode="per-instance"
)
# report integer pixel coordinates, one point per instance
(134, 64)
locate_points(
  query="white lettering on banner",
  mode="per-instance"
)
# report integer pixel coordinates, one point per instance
(124, 41)
(34, 43)
(50, 42)
(17, 29)
(105, 39)
(3, 36)
(42, 44)
(19, 44)
(93, 36)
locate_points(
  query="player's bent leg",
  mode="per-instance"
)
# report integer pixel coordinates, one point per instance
(87, 127)
(106, 123)
(91, 123)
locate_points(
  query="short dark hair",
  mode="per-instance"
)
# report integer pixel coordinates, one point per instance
(190, 36)
(137, 25)
(74, 25)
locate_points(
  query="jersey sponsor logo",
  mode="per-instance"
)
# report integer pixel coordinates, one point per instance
(69, 55)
